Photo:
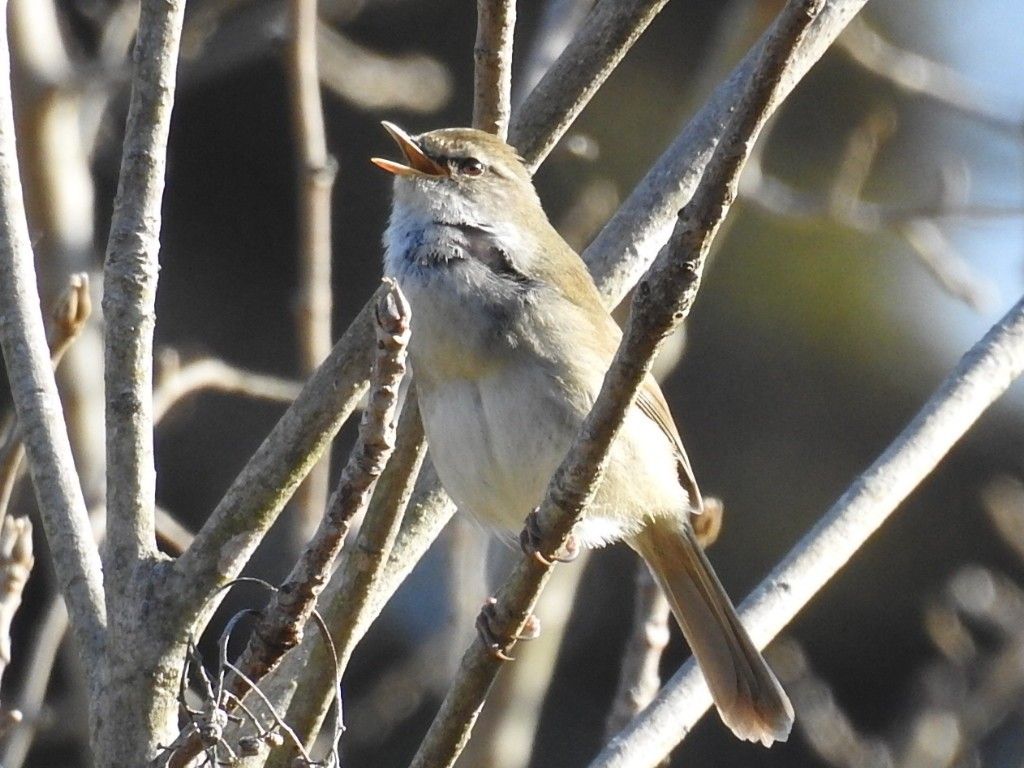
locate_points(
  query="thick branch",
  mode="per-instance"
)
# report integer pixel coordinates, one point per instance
(983, 375)
(629, 242)
(608, 32)
(129, 293)
(41, 420)
(662, 301)
(492, 55)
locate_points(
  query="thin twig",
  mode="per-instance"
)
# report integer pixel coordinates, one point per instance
(492, 56)
(66, 321)
(917, 227)
(282, 623)
(375, 81)
(982, 376)
(359, 572)
(223, 545)
(631, 239)
(45, 643)
(917, 74)
(15, 566)
(639, 680)
(30, 374)
(429, 510)
(316, 171)
(213, 374)
(662, 301)
(607, 34)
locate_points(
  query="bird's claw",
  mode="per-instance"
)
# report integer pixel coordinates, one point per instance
(499, 649)
(530, 539)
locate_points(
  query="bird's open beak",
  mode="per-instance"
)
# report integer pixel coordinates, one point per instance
(419, 163)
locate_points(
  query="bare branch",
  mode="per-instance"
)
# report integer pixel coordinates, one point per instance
(37, 404)
(915, 226)
(281, 625)
(348, 601)
(938, 255)
(213, 374)
(662, 301)
(492, 80)
(373, 80)
(917, 74)
(251, 504)
(316, 170)
(129, 294)
(66, 321)
(15, 566)
(639, 680)
(983, 375)
(45, 643)
(629, 242)
(608, 32)
(429, 510)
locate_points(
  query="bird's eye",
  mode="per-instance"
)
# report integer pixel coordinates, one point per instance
(471, 167)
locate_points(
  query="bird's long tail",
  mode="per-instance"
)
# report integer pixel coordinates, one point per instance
(749, 698)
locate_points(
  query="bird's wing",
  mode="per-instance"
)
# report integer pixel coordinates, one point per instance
(652, 404)
(573, 278)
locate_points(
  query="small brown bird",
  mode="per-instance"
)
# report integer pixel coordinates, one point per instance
(510, 344)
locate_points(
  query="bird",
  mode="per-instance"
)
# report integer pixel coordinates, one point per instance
(510, 343)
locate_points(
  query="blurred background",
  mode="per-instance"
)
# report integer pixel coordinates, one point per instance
(880, 232)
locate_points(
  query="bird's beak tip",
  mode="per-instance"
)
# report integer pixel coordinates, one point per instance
(418, 162)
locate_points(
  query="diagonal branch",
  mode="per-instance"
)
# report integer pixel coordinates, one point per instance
(252, 503)
(917, 74)
(629, 242)
(607, 34)
(983, 374)
(662, 300)
(492, 76)
(41, 420)
(129, 293)
(281, 625)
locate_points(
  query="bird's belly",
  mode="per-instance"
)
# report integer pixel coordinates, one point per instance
(495, 443)
(497, 440)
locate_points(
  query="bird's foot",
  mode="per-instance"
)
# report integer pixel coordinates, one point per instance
(485, 627)
(530, 540)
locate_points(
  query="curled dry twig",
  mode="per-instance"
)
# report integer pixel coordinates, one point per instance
(219, 706)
